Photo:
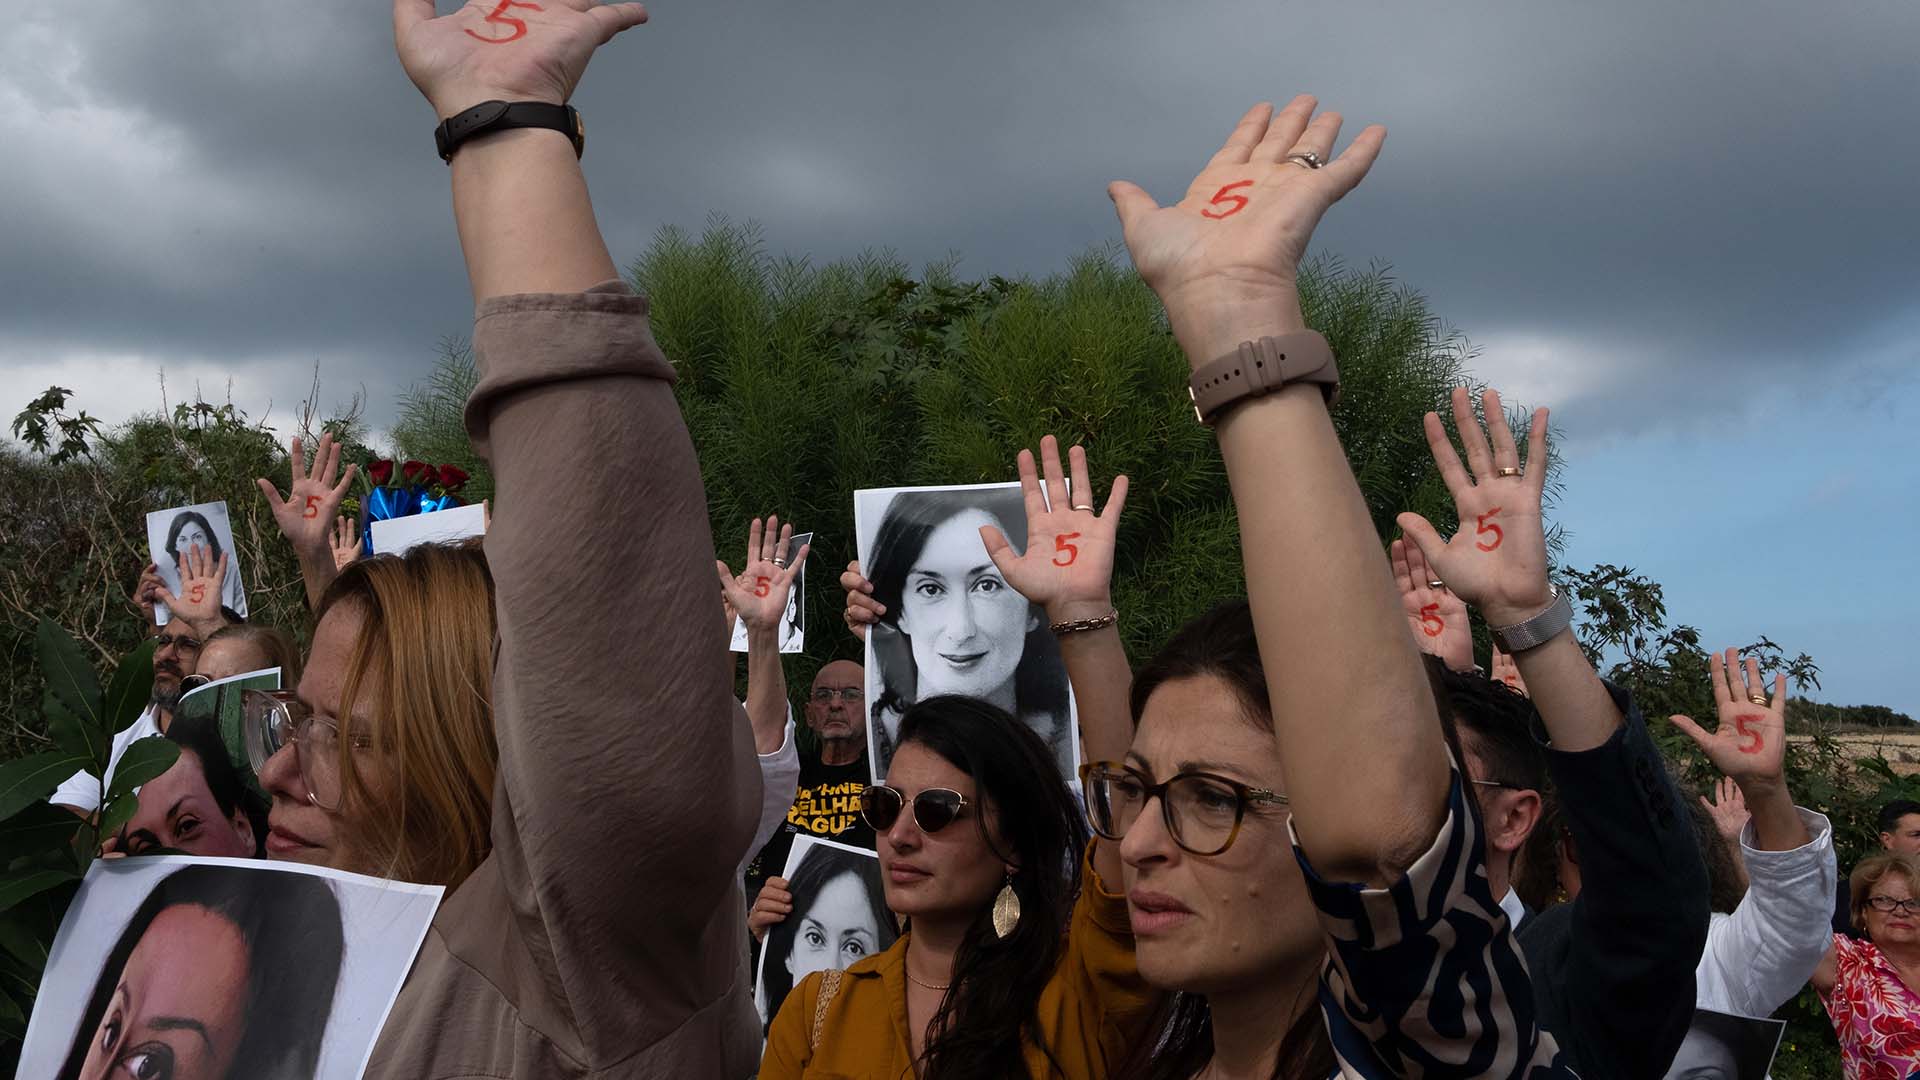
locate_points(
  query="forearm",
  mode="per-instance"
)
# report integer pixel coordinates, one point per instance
(1102, 684)
(766, 689)
(526, 224)
(1346, 681)
(1572, 701)
(1777, 824)
(317, 571)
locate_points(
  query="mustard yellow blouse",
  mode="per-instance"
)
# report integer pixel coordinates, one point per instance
(1093, 1011)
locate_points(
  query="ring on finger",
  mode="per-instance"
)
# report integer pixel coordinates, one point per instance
(1436, 583)
(1759, 699)
(781, 563)
(1307, 159)
(1088, 507)
(1509, 470)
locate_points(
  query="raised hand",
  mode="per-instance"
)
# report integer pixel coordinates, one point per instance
(1497, 562)
(506, 50)
(1506, 671)
(862, 609)
(1749, 742)
(1067, 566)
(147, 590)
(201, 577)
(1439, 618)
(770, 908)
(759, 594)
(1729, 810)
(1224, 258)
(305, 514)
(347, 543)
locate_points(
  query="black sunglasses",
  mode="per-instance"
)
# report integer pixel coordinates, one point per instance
(933, 809)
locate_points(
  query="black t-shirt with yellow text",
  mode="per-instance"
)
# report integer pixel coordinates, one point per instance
(827, 805)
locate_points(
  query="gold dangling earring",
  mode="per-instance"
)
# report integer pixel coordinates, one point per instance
(1006, 909)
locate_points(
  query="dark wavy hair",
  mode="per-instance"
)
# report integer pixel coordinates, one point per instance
(200, 736)
(1220, 644)
(821, 864)
(291, 923)
(911, 517)
(992, 1012)
(180, 522)
(1536, 871)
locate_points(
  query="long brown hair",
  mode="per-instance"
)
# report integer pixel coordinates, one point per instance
(424, 660)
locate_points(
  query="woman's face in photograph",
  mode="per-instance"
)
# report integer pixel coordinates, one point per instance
(1703, 1056)
(1212, 924)
(949, 872)
(837, 931)
(191, 536)
(179, 1010)
(178, 811)
(967, 625)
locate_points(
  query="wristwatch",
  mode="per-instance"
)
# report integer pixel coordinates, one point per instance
(489, 116)
(1538, 630)
(1257, 368)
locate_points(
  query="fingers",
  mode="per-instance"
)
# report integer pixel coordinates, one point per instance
(1451, 471)
(1479, 456)
(1537, 461)
(272, 492)
(1717, 674)
(1285, 129)
(297, 460)
(1055, 477)
(1756, 687)
(1780, 694)
(1001, 552)
(1246, 135)
(1352, 166)
(1402, 573)
(1417, 567)
(1116, 500)
(220, 571)
(786, 541)
(853, 581)
(611, 19)
(346, 481)
(753, 542)
(1030, 495)
(1422, 532)
(1080, 487)
(1130, 202)
(1319, 136)
(331, 451)
(1505, 453)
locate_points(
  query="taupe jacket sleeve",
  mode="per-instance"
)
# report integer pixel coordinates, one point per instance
(628, 787)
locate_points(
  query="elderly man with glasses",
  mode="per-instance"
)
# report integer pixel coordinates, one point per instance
(176, 651)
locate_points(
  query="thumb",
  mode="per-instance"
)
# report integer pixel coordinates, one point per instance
(1424, 536)
(999, 550)
(1130, 201)
(613, 18)
(726, 575)
(1693, 731)
(271, 492)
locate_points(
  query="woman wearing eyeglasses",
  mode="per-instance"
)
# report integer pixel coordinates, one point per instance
(1869, 986)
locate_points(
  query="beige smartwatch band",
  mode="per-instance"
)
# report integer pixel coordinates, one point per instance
(1257, 368)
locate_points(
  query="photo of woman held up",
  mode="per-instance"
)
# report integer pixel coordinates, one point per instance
(952, 624)
(172, 535)
(839, 918)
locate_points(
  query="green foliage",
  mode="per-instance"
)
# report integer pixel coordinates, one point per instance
(430, 426)
(45, 850)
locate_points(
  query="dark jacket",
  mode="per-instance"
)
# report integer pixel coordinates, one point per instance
(1613, 970)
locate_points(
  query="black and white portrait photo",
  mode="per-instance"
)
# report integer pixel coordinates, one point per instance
(1722, 1046)
(952, 623)
(171, 533)
(839, 918)
(168, 966)
(793, 626)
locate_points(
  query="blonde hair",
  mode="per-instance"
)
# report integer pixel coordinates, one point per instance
(1868, 872)
(274, 643)
(424, 661)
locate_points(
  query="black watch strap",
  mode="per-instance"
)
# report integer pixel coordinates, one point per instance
(501, 115)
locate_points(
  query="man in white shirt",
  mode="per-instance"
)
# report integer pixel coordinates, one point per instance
(177, 650)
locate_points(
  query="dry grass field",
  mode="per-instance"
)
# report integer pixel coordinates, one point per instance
(1900, 746)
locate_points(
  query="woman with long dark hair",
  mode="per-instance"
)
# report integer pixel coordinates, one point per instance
(220, 973)
(953, 624)
(845, 920)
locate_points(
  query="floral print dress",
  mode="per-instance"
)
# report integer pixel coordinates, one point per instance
(1875, 1014)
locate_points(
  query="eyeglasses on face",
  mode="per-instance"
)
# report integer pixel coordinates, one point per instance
(1888, 905)
(1202, 811)
(933, 809)
(179, 643)
(852, 695)
(273, 719)
(1498, 784)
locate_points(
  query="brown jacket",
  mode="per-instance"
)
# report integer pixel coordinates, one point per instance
(1092, 1012)
(603, 936)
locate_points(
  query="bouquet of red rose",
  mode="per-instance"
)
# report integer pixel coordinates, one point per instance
(422, 489)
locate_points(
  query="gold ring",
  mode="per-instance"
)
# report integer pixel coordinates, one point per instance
(1759, 699)
(781, 563)
(1509, 470)
(1436, 583)
(1088, 507)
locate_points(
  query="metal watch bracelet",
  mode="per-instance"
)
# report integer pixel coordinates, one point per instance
(1537, 630)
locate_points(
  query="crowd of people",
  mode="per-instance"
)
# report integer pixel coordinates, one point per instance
(1310, 836)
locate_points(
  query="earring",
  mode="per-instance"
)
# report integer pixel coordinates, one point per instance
(1006, 909)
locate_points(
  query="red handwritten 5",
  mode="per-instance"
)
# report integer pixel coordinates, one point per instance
(197, 594)
(1062, 548)
(1482, 527)
(1431, 624)
(1239, 201)
(499, 17)
(1741, 725)
(762, 586)
(313, 507)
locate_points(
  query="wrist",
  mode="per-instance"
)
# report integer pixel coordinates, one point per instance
(1073, 610)
(1514, 611)
(1206, 332)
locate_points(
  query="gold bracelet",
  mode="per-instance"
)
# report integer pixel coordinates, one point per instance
(1078, 625)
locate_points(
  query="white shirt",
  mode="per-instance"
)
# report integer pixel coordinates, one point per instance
(779, 781)
(1516, 911)
(1757, 958)
(82, 791)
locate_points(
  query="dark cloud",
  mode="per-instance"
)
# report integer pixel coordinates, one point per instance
(1624, 202)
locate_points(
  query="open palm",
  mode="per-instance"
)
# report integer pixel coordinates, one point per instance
(520, 50)
(759, 593)
(1067, 565)
(1750, 740)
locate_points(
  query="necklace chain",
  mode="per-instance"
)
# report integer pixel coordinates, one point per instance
(908, 970)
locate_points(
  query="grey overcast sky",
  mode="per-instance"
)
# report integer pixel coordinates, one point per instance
(1689, 227)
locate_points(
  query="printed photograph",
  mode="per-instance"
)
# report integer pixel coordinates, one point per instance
(171, 533)
(793, 628)
(953, 625)
(170, 966)
(1722, 1046)
(839, 918)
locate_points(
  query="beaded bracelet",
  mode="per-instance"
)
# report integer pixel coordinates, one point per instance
(1078, 625)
